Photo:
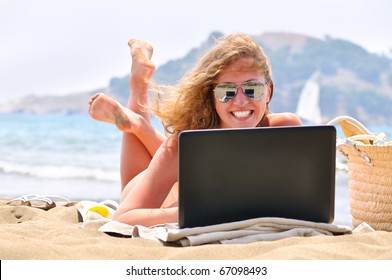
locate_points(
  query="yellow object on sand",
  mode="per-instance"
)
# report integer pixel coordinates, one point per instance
(100, 209)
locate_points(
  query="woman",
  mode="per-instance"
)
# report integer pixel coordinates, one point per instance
(231, 87)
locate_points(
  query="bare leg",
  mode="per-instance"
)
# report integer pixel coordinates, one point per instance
(141, 73)
(135, 156)
(144, 195)
(141, 160)
(140, 140)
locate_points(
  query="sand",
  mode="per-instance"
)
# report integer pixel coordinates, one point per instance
(29, 233)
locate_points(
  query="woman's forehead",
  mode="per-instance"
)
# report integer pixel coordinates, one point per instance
(244, 67)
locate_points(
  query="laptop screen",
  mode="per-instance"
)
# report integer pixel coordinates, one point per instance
(228, 175)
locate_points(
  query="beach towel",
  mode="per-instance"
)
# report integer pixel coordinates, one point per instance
(241, 232)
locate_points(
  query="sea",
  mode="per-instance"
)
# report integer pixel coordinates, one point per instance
(78, 158)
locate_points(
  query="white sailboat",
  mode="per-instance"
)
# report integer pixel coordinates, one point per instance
(308, 107)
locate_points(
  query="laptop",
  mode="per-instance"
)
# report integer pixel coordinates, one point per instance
(228, 175)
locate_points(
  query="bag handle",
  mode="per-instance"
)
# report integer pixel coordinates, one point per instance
(356, 132)
(352, 127)
(349, 125)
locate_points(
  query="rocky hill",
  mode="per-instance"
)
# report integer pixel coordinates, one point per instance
(352, 81)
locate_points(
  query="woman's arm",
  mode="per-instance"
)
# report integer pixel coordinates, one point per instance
(283, 119)
(149, 217)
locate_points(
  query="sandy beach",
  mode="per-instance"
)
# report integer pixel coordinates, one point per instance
(33, 234)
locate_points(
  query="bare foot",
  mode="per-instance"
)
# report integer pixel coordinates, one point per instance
(141, 73)
(142, 66)
(106, 109)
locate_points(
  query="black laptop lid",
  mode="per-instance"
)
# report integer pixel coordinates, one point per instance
(228, 175)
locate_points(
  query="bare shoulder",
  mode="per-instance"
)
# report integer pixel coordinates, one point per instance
(283, 119)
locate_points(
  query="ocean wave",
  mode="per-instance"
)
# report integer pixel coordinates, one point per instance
(59, 172)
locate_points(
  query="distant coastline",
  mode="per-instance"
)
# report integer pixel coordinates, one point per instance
(352, 81)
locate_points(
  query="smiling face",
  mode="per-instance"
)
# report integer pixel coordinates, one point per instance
(241, 111)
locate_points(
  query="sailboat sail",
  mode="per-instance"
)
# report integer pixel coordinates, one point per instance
(308, 107)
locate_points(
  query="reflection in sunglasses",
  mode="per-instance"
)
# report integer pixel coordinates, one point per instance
(225, 92)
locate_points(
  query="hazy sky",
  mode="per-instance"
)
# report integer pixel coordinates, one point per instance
(59, 47)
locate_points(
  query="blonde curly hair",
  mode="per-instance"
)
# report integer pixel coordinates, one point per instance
(190, 105)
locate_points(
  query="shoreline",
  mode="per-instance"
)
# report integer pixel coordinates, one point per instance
(14, 186)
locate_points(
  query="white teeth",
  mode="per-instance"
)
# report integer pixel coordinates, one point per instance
(241, 114)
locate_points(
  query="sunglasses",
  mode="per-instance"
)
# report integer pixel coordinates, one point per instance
(225, 92)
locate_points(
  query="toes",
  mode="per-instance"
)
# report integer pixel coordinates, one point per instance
(130, 42)
(94, 97)
(140, 48)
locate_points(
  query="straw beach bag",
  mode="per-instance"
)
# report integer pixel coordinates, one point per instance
(369, 161)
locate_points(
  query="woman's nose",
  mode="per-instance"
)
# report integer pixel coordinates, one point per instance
(240, 98)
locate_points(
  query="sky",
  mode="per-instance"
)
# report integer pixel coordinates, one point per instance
(59, 47)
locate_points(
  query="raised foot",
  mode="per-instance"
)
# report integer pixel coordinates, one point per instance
(142, 66)
(106, 109)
